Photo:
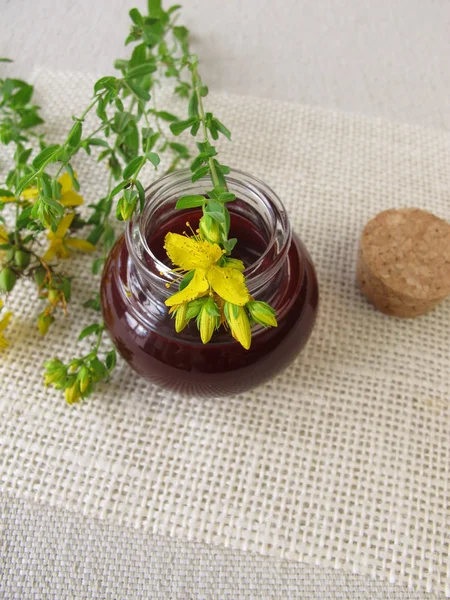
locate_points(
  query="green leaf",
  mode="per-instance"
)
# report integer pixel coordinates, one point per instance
(121, 121)
(190, 202)
(198, 162)
(132, 167)
(153, 158)
(111, 360)
(120, 64)
(193, 105)
(229, 244)
(94, 328)
(23, 96)
(46, 156)
(119, 104)
(136, 16)
(195, 127)
(96, 234)
(141, 70)
(200, 173)
(94, 303)
(180, 126)
(173, 8)
(24, 182)
(5, 60)
(139, 91)
(141, 193)
(105, 83)
(221, 127)
(108, 237)
(181, 33)
(181, 149)
(154, 8)
(24, 156)
(75, 184)
(186, 280)
(24, 218)
(227, 197)
(97, 142)
(97, 265)
(166, 116)
(139, 55)
(74, 136)
(29, 119)
(6, 193)
(119, 187)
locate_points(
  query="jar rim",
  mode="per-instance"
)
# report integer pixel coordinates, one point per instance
(238, 181)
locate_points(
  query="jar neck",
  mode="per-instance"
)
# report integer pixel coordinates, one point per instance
(257, 204)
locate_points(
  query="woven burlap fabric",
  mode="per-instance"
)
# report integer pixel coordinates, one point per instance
(341, 461)
(54, 553)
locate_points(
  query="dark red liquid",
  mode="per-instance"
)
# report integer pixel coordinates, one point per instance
(221, 367)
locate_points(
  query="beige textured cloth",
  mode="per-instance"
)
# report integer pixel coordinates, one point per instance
(340, 462)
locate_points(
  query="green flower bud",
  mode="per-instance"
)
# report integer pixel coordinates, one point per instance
(84, 379)
(22, 259)
(44, 322)
(9, 254)
(209, 229)
(237, 319)
(53, 296)
(180, 317)
(208, 320)
(262, 313)
(73, 393)
(7, 279)
(125, 209)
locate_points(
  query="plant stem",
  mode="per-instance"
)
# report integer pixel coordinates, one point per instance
(195, 82)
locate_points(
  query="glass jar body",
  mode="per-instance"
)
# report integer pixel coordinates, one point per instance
(279, 271)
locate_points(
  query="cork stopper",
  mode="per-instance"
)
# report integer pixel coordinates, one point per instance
(404, 262)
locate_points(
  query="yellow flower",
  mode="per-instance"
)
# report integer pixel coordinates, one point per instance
(200, 256)
(69, 197)
(60, 244)
(3, 325)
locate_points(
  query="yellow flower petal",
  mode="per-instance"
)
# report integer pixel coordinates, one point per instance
(229, 284)
(52, 251)
(66, 183)
(3, 235)
(3, 342)
(79, 244)
(30, 193)
(189, 253)
(71, 198)
(197, 287)
(4, 322)
(64, 225)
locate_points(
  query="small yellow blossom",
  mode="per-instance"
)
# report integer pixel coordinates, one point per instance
(60, 244)
(69, 197)
(4, 321)
(200, 256)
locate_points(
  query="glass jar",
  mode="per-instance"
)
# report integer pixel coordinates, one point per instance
(278, 271)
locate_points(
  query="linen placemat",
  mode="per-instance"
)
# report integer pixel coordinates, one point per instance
(341, 461)
(54, 553)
